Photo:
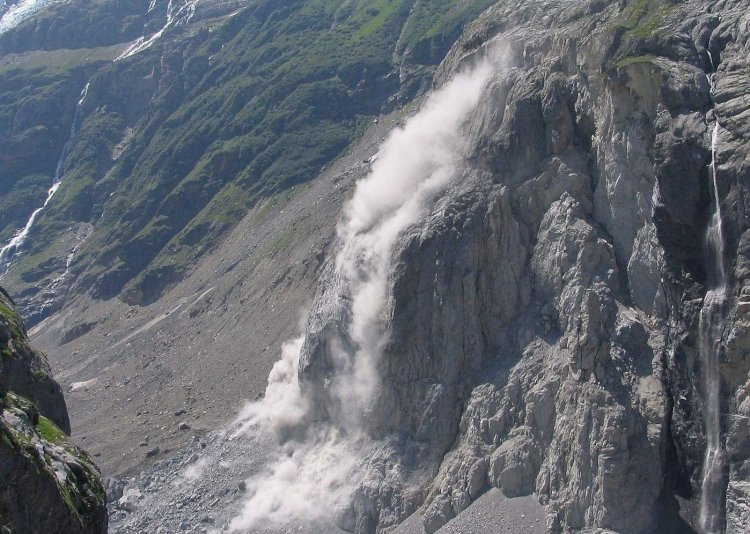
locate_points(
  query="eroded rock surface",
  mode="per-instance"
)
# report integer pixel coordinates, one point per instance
(47, 484)
(543, 318)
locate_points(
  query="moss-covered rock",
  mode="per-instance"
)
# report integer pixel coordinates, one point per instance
(26, 371)
(47, 484)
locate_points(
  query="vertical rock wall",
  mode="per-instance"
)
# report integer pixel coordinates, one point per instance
(543, 318)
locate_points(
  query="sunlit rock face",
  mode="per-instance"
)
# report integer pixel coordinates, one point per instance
(542, 314)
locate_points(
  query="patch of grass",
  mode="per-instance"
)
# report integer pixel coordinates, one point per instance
(68, 499)
(7, 312)
(13, 323)
(375, 16)
(438, 17)
(643, 17)
(50, 432)
(38, 375)
(56, 61)
(635, 26)
(631, 60)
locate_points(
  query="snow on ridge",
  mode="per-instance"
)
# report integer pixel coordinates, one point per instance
(19, 12)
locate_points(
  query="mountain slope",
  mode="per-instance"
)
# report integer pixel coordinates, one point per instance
(195, 123)
(225, 117)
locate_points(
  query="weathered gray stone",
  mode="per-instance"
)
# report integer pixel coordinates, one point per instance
(130, 500)
(543, 315)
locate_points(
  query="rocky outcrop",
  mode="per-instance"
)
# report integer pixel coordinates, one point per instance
(25, 371)
(543, 317)
(47, 484)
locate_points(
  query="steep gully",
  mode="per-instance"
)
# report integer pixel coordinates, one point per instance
(177, 13)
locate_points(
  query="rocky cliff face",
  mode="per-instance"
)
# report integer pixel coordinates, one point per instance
(543, 316)
(537, 328)
(47, 484)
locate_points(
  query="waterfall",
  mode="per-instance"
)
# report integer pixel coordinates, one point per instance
(175, 15)
(711, 327)
(9, 252)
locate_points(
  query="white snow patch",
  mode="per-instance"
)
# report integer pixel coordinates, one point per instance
(83, 386)
(19, 12)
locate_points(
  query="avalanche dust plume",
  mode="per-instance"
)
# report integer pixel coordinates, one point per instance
(322, 442)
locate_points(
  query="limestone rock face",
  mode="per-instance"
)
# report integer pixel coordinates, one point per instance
(47, 484)
(543, 317)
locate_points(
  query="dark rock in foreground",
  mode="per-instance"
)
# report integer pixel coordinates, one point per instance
(47, 484)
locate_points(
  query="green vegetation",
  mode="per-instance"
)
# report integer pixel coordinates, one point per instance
(10, 320)
(222, 119)
(11, 400)
(33, 107)
(39, 375)
(7, 312)
(81, 490)
(631, 60)
(282, 95)
(643, 17)
(49, 431)
(638, 23)
(378, 12)
(56, 62)
(436, 24)
(77, 26)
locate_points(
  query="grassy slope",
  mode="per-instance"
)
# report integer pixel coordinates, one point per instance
(241, 110)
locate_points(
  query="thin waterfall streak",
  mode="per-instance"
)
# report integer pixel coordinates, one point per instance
(9, 252)
(711, 328)
(175, 16)
(717, 233)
